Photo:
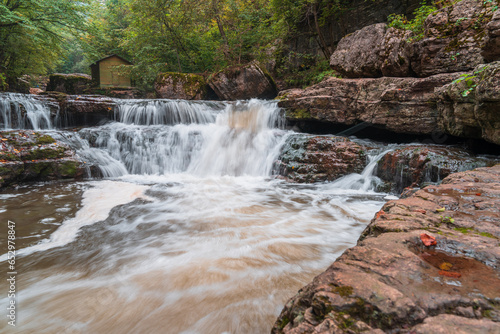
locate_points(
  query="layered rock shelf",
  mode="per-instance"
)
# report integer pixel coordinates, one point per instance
(428, 263)
(32, 156)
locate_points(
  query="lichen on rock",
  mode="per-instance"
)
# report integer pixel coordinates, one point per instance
(185, 86)
(32, 156)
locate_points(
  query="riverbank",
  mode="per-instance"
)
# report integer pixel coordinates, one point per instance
(427, 263)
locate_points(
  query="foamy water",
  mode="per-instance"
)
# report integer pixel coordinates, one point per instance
(190, 235)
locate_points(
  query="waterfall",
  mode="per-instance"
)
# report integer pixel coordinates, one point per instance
(364, 182)
(21, 111)
(205, 138)
(155, 112)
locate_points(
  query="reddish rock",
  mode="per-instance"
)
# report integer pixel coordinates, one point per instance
(416, 165)
(243, 82)
(319, 158)
(390, 282)
(372, 52)
(456, 38)
(401, 105)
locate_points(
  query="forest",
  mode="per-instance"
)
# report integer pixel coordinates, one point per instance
(38, 37)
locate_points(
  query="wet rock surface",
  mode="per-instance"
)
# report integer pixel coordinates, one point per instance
(401, 105)
(79, 110)
(392, 282)
(416, 165)
(308, 159)
(33, 156)
(243, 82)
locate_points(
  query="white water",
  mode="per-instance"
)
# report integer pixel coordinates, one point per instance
(190, 235)
(21, 111)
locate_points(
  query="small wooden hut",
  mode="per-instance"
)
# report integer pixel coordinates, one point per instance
(106, 73)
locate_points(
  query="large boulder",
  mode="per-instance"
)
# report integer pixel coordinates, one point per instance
(401, 105)
(393, 282)
(372, 52)
(243, 82)
(74, 83)
(306, 158)
(33, 156)
(358, 54)
(184, 86)
(456, 38)
(419, 165)
(469, 106)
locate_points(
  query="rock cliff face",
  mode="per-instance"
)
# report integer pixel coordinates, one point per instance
(32, 156)
(401, 105)
(425, 264)
(460, 104)
(355, 16)
(469, 107)
(455, 39)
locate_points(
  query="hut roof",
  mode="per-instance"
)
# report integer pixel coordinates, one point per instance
(113, 55)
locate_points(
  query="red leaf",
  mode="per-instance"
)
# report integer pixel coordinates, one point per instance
(428, 240)
(380, 213)
(450, 274)
(478, 194)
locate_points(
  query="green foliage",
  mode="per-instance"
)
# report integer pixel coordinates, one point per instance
(310, 72)
(31, 33)
(416, 25)
(3, 82)
(471, 80)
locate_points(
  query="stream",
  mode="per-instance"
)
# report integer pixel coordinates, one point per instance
(187, 232)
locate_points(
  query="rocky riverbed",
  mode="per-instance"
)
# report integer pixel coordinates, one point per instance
(428, 263)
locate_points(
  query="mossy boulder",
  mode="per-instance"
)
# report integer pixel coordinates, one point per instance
(184, 86)
(74, 83)
(33, 156)
(243, 82)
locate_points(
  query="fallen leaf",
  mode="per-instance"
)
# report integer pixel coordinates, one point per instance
(420, 211)
(380, 213)
(450, 274)
(441, 210)
(4, 139)
(428, 240)
(478, 194)
(445, 266)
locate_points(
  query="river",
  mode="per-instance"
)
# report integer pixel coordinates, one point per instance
(187, 232)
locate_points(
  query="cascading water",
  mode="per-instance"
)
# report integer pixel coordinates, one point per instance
(20, 111)
(189, 234)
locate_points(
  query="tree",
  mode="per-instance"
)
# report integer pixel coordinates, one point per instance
(32, 32)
